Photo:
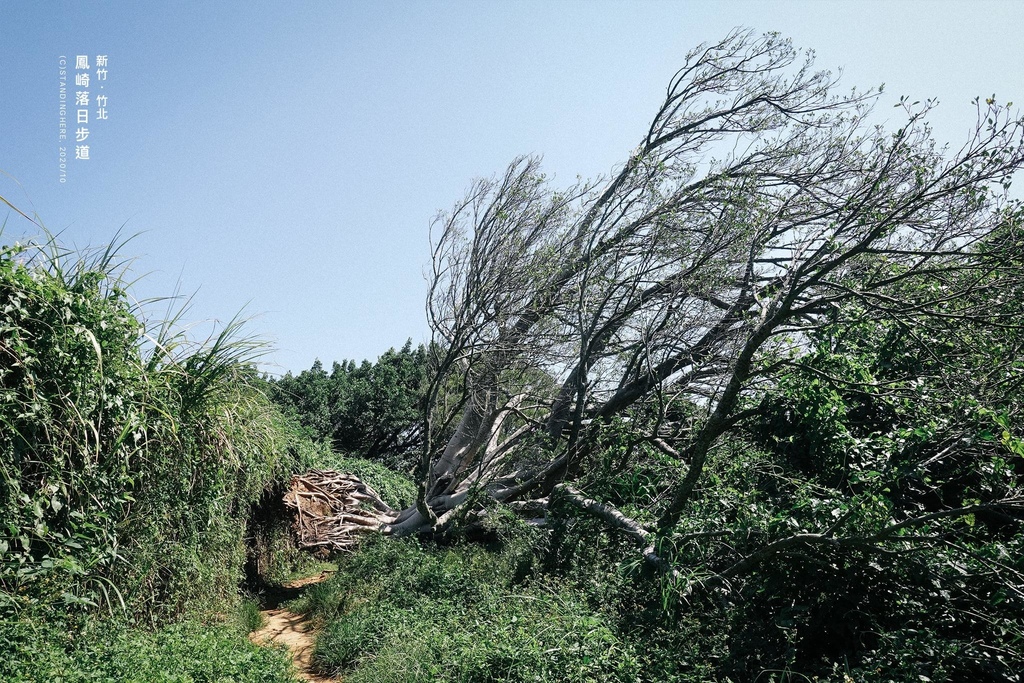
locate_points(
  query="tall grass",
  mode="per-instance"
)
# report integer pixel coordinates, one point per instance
(129, 453)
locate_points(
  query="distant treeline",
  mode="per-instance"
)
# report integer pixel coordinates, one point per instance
(371, 410)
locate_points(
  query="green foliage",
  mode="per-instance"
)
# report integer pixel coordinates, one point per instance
(273, 556)
(41, 651)
(249, 616)
(629, 472)
(399, 611)
(890, 443)
(863, 521)
(886, 457)
(371, 410)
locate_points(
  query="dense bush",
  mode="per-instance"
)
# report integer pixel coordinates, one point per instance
(128, 455)
(130, 458)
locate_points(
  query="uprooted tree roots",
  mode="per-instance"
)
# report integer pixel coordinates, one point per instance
(333, 510)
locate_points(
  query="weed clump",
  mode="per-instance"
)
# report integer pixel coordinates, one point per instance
(111, 650)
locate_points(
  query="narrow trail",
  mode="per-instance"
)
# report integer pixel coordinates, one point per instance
(294, 631)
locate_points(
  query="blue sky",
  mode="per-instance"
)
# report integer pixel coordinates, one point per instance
(287, 157)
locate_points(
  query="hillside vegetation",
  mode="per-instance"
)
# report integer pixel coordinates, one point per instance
(130, 457)
(749, 409)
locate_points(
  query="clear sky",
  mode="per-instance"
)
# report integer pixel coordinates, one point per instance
(287, 157)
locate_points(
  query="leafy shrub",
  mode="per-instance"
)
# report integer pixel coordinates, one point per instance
(371, 410)
(129, 455)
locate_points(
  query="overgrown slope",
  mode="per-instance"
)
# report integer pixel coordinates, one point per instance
(130, 458)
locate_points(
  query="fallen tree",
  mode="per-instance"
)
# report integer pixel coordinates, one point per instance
(759, 212)
(683, 277)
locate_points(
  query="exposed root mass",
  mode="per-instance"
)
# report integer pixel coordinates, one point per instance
(333, 510)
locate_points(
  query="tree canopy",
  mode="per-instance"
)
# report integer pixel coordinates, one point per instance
(760, 208)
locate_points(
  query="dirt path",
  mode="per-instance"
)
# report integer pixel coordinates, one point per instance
(294, 631)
